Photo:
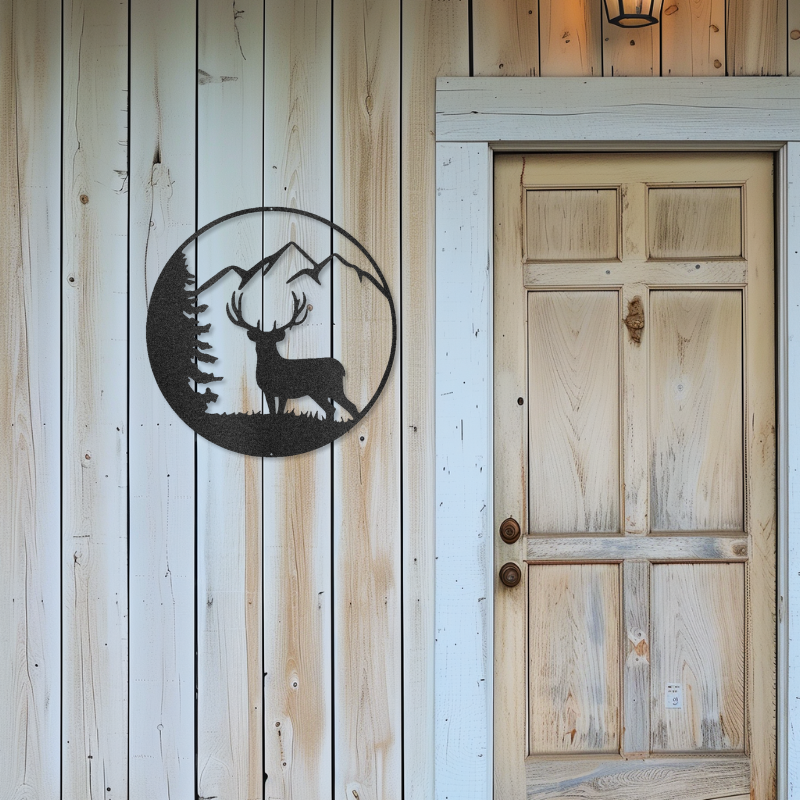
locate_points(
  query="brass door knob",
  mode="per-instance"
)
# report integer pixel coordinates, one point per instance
(510, 531)
(510, 574)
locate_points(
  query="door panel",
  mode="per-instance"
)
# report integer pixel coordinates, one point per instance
(574, 688)
(571, 225)
(634, 443)
(695, 222)
(574, 384)
(698, 645)
(696, 470)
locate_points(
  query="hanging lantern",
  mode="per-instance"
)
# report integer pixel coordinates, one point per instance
(633, 13)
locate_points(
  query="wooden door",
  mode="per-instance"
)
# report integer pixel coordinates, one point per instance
(635, 444)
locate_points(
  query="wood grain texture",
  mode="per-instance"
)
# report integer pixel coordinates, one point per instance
(435, 42)
(694, 222)
(229, 511)
(698, 641)
(693, 38)
(505, 37)
(636, 667)
(367, 539)
(574, 647)
(573, 393)
(633, 112)
(760, 447)
(571, 224)
(631, 51)
(789, 404)
(793, 42)
(652, 548)
(697, 462)
(570, 38)
(654, 778)
(161, 461)
(511, 459)
(94, 415)
(30, 284)
(756, 33)
(634, 451)
(297, 491)
(612, 274)
(510, 442)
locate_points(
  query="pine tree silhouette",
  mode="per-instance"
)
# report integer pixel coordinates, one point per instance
(173, 340)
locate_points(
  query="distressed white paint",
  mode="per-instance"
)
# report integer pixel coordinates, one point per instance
(463, 640)
(575, 114)
(161, 458)
(618, 109)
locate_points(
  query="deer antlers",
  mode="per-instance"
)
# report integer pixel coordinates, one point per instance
(235, 315)
(298, 309)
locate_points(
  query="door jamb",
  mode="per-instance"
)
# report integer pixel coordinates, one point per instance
(475, 117)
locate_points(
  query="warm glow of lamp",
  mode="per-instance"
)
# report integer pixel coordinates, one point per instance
(633, 13)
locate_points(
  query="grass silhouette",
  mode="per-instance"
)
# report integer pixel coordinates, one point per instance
(259, 434)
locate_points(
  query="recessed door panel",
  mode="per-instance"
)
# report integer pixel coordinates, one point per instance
(571, 225)
(698, 648)
(696, 469)
(574, 625)
(573, 345)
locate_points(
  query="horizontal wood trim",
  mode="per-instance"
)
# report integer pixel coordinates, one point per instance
(616, 273)
(647, 548)
(653, 778)
(603, 109)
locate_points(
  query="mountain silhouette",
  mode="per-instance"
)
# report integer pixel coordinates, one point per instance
(314, 271)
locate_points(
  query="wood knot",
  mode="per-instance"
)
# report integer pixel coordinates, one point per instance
(634, 322)
(671, 10)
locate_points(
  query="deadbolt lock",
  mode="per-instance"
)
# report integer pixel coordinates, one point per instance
(510, 574)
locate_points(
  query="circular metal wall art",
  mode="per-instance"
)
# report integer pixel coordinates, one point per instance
(280, 356)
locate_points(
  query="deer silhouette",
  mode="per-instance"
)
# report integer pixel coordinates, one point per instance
(282, 379)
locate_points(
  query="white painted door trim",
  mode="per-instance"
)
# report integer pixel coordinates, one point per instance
(476, 116)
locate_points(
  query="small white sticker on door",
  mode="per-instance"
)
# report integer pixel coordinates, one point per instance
(673, 695)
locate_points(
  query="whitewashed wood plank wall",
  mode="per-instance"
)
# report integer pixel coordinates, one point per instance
(175, 620)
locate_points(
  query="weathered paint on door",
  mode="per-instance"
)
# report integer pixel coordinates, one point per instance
(634, 442)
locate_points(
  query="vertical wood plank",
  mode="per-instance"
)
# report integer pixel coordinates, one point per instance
(634, 415)
(634, 52)
(298, 625)
(791, 415)
(367, 548)
(505, 38)
(571, 38)
(760, 449)
(435, 42)
(30, 83)
(793, 29)
(229, 517)
(636, 669)
(463, 648)
(162, 464)
(756, 34)
(510, 422)
(693, 38)
(94, 388)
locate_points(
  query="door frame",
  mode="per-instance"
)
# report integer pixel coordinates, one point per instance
(474, 118)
